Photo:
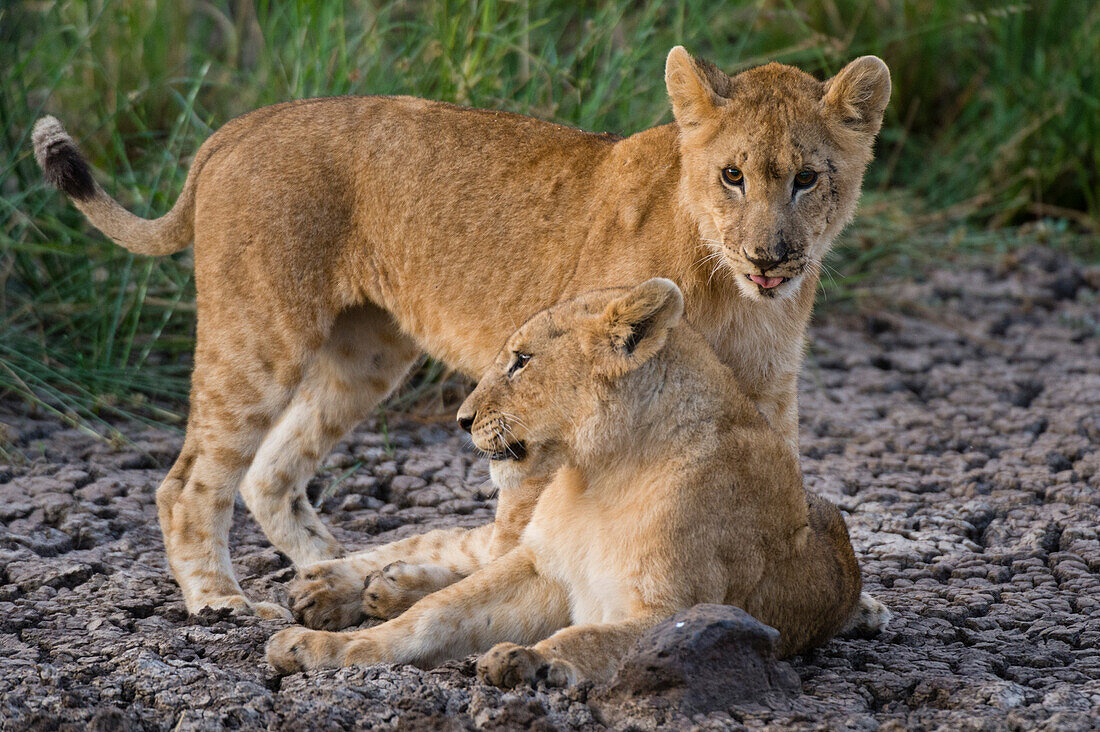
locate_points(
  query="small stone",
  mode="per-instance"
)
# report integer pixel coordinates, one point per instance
(423, 468)
(354, 502)
(48, 574)
(387, 469)
(1065, 287)
(405, 484)
(424, 497)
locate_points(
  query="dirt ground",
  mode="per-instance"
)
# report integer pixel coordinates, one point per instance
(958, 428)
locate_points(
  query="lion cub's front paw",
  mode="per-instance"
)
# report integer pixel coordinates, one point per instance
(326, 596)
(393, 590)
(300, 649)
(508, 665)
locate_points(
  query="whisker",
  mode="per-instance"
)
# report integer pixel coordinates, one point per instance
(823, 267)
(495, 491)
(516, 419)
(714, 271)
(507, 432)
(832, 270)
(704, 260)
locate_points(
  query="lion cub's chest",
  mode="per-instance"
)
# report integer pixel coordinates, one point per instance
(593, 550)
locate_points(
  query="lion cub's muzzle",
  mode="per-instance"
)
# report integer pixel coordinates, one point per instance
(768, 275)
(492, 436)
(511, 451)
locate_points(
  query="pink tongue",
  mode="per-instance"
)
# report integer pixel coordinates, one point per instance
(766, 282)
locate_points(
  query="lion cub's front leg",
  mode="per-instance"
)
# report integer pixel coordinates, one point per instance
(300, 649)
(335, 594)
(330, 595)
(506, 601)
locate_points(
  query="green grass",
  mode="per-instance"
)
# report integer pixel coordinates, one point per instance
(994, 123)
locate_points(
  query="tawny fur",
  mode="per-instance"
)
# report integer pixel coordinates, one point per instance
(672, 489)
(385, 581)
(337, 239)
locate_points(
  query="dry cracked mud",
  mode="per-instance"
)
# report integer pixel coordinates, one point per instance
(958, 427)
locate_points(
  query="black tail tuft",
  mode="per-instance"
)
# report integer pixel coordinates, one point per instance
(62, 164)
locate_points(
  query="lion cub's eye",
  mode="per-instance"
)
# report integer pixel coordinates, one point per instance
(519, 360)
(733, 177)
(804, 179)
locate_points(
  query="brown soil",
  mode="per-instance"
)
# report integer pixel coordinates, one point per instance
(958, 428)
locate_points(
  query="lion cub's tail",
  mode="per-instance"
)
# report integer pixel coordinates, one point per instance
(67, 170)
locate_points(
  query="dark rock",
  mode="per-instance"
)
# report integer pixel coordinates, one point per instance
(46, 541)
(1065, 286)
(703, 659)
(1026, 393)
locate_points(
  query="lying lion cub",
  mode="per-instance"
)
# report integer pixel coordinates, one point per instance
(673, 490)
(336, 240)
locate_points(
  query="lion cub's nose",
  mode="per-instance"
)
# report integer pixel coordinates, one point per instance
(466, 421)
(765, 262)
(765, 259)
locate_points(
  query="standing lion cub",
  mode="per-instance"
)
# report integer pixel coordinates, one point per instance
(336, 240)
(672, 490)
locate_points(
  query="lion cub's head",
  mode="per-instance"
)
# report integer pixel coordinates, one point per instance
(773, 160)
(562, 382)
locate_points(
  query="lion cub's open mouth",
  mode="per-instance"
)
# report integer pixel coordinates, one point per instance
(514, 451)
(767, 283)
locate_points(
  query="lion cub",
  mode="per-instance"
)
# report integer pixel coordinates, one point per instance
(673, 490)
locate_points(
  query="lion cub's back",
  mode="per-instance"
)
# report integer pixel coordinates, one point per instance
(347, 131)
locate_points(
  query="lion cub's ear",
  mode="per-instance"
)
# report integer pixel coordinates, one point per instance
(634, 327)
(697, 88)
(858, 94)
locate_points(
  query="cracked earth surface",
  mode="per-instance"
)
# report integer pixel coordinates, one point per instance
(958, 428)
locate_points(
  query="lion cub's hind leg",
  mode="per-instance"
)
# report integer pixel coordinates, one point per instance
(869, 617)
(573, 654)
(270, 395)
(361, 361)
(234, 398)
